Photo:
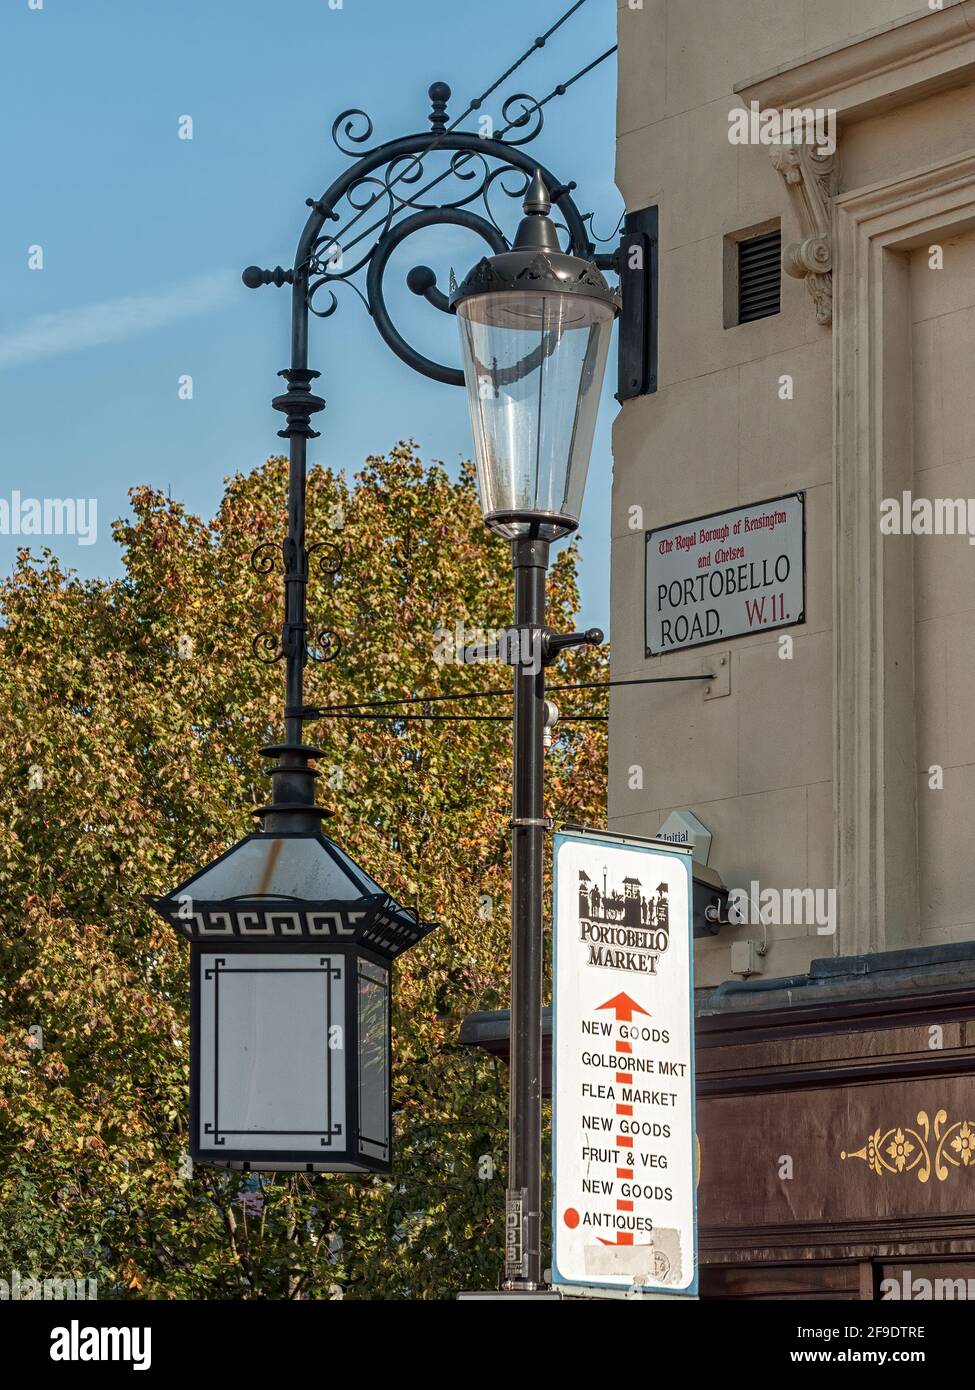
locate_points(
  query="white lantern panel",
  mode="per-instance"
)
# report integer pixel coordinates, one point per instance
(272, 1052)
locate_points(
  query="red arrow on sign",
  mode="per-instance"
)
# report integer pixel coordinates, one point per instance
(624, 1006)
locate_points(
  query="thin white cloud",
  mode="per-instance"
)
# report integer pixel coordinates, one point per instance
(114, 320)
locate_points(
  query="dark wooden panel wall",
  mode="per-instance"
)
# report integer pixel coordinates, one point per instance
(837, 1143)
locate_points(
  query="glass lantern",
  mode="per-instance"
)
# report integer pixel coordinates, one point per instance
(535, 328)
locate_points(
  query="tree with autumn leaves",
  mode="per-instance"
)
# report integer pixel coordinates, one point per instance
(131, 711)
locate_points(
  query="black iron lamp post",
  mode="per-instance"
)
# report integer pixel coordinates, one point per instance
(535, 326)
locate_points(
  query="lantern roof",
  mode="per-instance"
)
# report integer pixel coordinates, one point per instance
(287, 887)
(535, 262)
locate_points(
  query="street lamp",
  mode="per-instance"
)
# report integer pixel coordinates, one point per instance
(535, 326)
(291, 952)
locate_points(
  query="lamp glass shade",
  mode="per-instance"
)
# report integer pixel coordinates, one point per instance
(533, 365)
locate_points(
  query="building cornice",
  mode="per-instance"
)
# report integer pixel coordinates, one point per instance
(889, 67)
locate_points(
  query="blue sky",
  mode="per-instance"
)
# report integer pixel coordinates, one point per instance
(144, 235)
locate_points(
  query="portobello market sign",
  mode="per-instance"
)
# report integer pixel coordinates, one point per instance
(726, 575)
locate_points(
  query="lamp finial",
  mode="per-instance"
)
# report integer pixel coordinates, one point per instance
(537, 200)
(536, 231)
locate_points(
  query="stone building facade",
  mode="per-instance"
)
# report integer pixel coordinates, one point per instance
(844, 759)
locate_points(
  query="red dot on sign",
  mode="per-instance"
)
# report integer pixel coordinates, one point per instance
(571, 1218)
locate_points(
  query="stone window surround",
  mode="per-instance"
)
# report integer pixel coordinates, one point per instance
(875, 764)
(866, 232)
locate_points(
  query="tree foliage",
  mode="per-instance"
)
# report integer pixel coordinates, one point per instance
(130, 715)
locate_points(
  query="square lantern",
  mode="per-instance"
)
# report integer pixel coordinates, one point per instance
(291, 952)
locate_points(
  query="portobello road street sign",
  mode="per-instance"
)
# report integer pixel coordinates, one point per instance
(726, 575)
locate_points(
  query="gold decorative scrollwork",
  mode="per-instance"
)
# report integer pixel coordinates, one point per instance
(903, 1149)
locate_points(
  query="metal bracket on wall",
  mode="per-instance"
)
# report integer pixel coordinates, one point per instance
(636, 264)
(720, 684)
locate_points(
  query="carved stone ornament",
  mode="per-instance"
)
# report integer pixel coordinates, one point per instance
(810, 174)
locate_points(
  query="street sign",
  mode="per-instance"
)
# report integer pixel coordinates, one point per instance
(623, 1206)
(684, 828)
(726, 575)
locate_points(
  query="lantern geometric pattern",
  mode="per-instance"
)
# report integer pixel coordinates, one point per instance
(291, 958)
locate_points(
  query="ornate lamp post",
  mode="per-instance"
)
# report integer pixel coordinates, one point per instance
(535, 325)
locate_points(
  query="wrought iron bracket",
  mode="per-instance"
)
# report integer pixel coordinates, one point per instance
(295, 565)
(444, 176)
(636, 262)
(553, 644)
(380, 201)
